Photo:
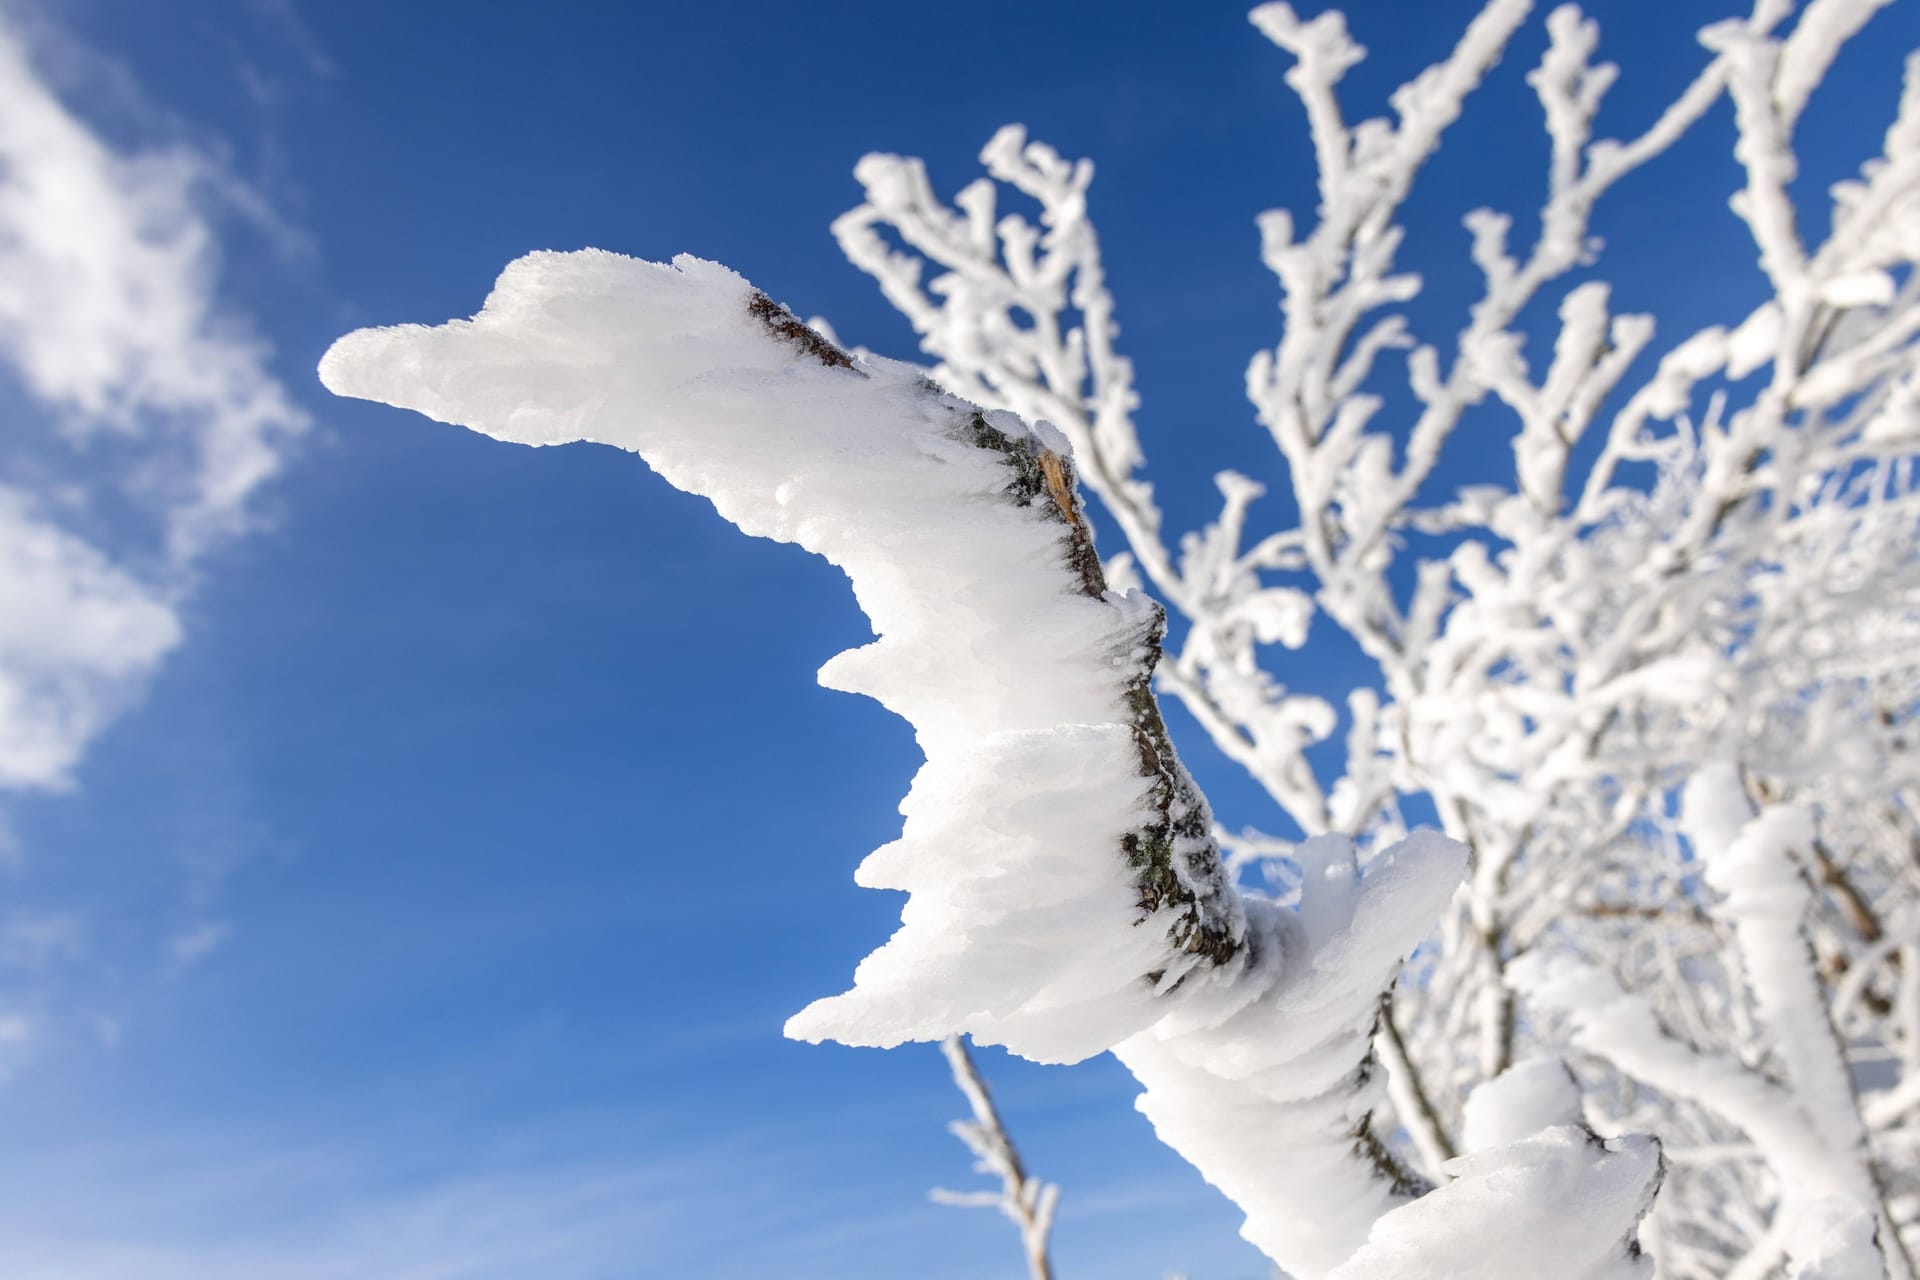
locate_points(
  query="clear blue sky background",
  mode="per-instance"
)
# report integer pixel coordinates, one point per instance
(506, 769)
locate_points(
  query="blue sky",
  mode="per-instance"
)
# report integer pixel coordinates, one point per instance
(432, 901)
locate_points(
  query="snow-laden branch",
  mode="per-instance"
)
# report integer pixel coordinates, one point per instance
(1543, 1192)
(1065, 895)
(1827, 1186)
(1752, 862)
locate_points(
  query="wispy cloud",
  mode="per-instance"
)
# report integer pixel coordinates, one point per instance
(394, 1201)
(78, 635)
(196, 944)
(296, 34)
(155, 415)
(34, 940)
(559, 1223)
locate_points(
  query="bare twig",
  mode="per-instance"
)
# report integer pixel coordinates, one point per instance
(1025, 1199)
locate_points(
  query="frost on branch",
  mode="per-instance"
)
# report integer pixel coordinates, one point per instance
(1065, 896)
(1695, 549)
(1027, 1202)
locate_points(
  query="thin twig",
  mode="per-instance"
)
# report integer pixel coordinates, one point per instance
(1025, 1199)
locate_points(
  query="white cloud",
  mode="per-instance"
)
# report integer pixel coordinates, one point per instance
(34, 940)
(77, 636)
(162, 417)
(19, 1037)
(196, 944)
(32, 944)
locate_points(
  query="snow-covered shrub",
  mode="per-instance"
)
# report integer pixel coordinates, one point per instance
(1657, 686)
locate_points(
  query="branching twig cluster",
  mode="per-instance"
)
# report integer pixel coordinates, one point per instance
(1704, 553)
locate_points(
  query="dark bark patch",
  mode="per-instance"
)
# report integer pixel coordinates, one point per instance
(1203, 923)
(786, 326)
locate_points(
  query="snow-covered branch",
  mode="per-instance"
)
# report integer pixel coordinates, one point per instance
(1705, 549)
(1065, 895)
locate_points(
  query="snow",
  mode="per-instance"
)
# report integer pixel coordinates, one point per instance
(1558, 1203)
(1531, 1095)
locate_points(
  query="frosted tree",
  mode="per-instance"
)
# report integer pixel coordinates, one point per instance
(1656, 679)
